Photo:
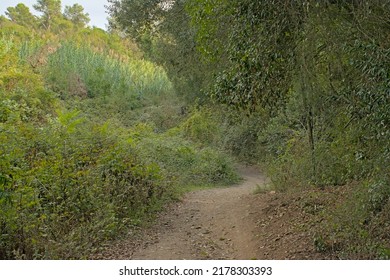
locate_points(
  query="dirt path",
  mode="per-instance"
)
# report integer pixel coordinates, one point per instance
(224, 223)
(210, 223)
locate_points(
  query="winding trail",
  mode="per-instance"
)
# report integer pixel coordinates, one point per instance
(207, 224)
(227, 223)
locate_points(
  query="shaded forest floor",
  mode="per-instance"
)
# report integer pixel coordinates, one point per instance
(244, 221)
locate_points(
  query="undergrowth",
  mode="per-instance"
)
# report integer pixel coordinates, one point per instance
(71, 181)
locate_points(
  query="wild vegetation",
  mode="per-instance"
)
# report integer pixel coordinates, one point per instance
(306, 91)
(90, 138)
(100, 128)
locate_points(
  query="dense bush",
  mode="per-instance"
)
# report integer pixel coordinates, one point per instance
(70, 181)
(358, 227)
(68, 186)
(187, 163)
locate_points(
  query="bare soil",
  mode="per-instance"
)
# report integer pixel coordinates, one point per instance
(229, 223)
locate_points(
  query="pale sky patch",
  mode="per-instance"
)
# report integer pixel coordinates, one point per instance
(95, 9)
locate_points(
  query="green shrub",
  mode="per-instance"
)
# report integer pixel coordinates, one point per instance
(358, 226)
(186, 163)
(70, 182)
(201, 127)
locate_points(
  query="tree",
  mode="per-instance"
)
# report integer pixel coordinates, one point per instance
(135, 17)
(51, 10)
(164, 32)
(21, 15)
(259, 46)
(76, 15)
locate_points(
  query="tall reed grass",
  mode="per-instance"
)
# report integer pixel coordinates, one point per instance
(72, 70)
(103, 75)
